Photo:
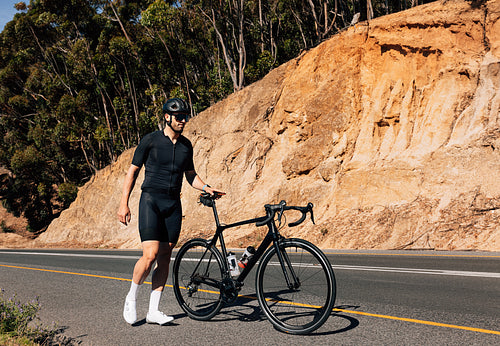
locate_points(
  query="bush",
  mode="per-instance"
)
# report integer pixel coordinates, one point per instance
(16, 318)
(67, 193)
(6, 229)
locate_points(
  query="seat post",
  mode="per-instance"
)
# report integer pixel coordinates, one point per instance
(216, 215)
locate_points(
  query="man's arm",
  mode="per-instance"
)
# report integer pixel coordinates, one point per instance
(128, 185)
(195, 181)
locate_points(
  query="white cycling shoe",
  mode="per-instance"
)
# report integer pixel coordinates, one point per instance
(129, 312)
(158, 317)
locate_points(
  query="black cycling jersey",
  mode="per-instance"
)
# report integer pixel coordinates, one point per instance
(164, 161)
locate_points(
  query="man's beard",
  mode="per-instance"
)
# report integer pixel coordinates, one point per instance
(169, 123)
(177, 131)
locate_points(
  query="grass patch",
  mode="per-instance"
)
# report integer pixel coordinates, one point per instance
(19, 324)
(7, 340)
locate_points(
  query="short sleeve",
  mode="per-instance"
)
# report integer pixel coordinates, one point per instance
(142, 150)
(189, 165)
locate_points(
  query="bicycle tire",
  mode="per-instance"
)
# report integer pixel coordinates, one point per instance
(301, 310)
(197, 259)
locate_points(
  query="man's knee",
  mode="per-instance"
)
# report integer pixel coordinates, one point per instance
(163, 261)
(164, 258)
(149, 258)
(150, 253)
(165, 253)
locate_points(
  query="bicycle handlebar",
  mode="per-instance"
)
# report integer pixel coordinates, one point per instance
(271, 209)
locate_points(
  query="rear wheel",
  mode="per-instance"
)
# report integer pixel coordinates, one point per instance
(305, 304)
(197, 274)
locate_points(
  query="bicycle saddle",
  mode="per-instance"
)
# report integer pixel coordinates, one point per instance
(208, 200)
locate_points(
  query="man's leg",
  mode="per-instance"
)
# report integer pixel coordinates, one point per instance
(160, 275)
(150, 250)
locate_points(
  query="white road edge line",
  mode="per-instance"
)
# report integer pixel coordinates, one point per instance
(338, 267)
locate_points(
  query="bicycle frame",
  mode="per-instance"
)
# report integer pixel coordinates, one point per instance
(272, 236)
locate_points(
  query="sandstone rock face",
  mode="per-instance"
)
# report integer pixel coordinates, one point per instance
(390, 128)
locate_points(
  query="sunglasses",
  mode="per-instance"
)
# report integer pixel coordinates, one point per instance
(181, 117)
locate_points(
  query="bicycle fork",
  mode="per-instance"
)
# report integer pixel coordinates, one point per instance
(293, 283)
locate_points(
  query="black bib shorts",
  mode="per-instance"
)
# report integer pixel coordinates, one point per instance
(160, 217)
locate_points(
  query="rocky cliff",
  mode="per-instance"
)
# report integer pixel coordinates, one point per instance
(390, 128)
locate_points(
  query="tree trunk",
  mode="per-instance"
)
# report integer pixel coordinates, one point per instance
(235, 71)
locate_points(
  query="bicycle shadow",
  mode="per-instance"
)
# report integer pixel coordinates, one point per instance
(239, 311)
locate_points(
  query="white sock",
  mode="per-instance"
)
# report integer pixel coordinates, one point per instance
(154, 301)
(132, 293)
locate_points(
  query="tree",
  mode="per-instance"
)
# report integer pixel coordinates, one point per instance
(228, 21)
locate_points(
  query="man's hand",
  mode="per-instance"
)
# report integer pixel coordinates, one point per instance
(212, 191)
(124, 214)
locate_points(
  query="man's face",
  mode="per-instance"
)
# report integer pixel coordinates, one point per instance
(178, 121)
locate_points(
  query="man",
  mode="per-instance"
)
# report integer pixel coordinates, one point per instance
(167, 156)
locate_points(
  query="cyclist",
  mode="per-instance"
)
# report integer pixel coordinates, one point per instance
(167, 155)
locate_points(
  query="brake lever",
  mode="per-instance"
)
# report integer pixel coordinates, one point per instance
(310, 207)
(281, 211)
(271, 209)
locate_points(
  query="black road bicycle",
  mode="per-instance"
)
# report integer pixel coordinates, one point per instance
(295, 283)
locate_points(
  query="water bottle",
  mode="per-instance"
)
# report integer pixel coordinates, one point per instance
(233, 268)
(249, 252)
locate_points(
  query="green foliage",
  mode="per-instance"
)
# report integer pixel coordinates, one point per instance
(67, 193)
(159, 13)
(263, 65)
(25, 161)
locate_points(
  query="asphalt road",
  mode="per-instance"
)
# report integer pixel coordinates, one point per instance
(397, 298)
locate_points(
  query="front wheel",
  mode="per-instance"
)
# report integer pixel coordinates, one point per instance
(197, 274)
(304, 303)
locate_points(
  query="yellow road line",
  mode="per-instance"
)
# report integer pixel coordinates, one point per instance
(71, 273)
(332, 252)
(480, 330)
(437, 324)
